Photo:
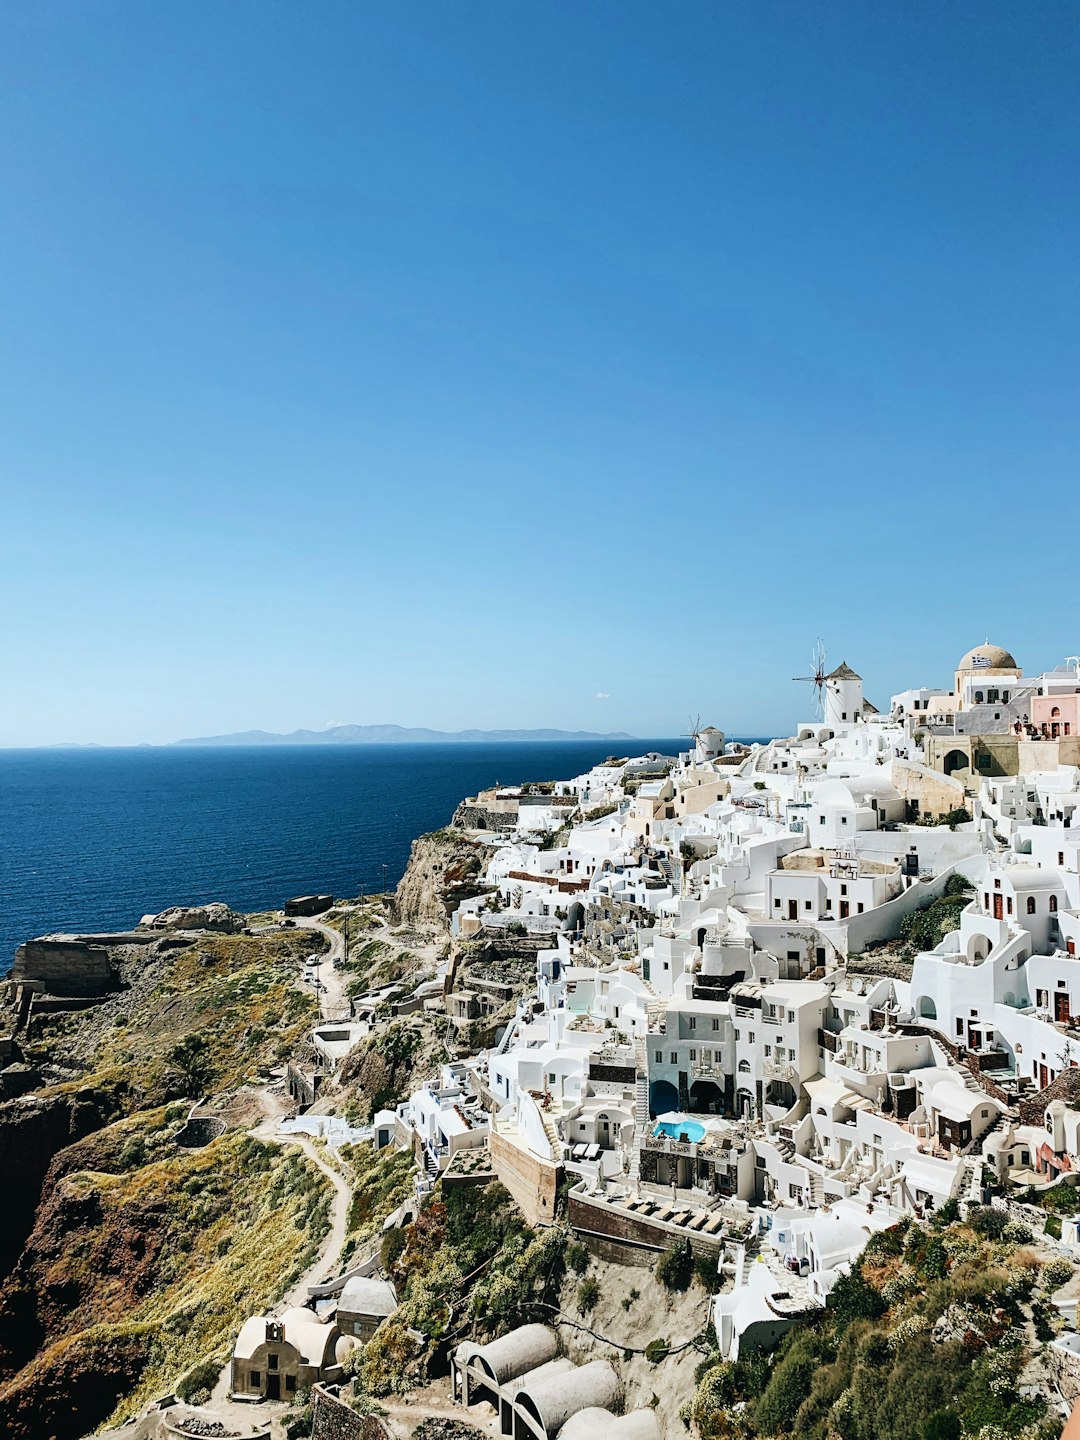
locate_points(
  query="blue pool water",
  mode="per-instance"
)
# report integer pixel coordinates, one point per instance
(688, 1130)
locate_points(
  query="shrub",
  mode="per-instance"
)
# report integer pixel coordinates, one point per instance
(194, 1388)
(675, 1268)
(941, 1425)
(577, 1257)
(1054, 1274)
(851, 1299)
(588, 1293)
(987, 1222)
(1016, 1232)
(707, 1272)
(655, 1351)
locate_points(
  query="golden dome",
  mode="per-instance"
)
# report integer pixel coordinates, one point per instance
(988, 657)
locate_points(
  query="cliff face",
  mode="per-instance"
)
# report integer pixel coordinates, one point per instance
(145, 1258)
(443, 870)
(32, 1132)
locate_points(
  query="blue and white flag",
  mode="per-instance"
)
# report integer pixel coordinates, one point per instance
(980, 662)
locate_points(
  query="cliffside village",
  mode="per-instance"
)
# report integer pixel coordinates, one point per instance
(704, 1015)
(724, 1038)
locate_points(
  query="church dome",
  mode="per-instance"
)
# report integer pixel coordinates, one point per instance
(988, 657)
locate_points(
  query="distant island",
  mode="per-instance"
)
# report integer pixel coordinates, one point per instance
(397, 735)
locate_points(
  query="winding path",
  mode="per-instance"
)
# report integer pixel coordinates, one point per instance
(220, 1405)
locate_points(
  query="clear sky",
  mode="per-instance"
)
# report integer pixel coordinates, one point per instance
(514, 364)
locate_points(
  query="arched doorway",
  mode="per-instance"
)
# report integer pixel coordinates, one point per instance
(956, 760)
(925, 1008)
(663, 1097)
(780, 1092)
(706, 1098)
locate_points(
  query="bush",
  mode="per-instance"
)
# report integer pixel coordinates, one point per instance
(588, 1293)
(675, 1268)
(392, 1248)
(655, 1351)
(577, 1257)
(707, 1271)
(987, 1222)
(194, 1388)
(851, 1299)
(1055, 1273)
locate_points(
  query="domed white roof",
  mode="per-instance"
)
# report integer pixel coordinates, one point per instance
(988, 657)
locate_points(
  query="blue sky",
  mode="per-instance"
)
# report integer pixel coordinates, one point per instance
(459, 363)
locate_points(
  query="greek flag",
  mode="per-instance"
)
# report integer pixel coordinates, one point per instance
(980, 662)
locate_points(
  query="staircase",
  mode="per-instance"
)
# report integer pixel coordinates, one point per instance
(641, 1106)
(551, 1131)
(817, 1188)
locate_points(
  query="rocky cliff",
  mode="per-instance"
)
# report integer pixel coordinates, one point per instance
(32, 1131)
(444, 869)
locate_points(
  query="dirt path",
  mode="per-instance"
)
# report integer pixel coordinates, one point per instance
(220, 1406)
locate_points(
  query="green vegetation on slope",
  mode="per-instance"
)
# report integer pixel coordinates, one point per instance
(469, 1263)
(925, 1340)
(161, 1252)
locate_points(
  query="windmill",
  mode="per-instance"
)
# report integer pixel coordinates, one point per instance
(694, 721)
(817, 679)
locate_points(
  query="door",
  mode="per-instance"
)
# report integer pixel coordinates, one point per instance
(998, 908)
(273, 1387)
(974, 1039)
(845, 909)
(1044, 1077)
(1061, 1007)
(792, 909)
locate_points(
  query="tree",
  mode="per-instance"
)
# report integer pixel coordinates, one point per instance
(192, 1058)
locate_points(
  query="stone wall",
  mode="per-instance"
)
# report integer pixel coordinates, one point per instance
(333, 1420)
(479, 817)
(531, 1181)
(65, 966)
(630, 1239)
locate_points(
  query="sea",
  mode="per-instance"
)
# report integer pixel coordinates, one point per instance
(92, 839)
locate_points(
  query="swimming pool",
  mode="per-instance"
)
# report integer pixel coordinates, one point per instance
(688, 1130)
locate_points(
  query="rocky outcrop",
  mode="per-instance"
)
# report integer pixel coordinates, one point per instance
(444, 869)
(215, 916)
(32, 1133)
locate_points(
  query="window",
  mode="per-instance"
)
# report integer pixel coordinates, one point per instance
(272, 1362)
(290, 1384)
(659, 1057)
(256, 1379)
(959, 1025)
(692, 1022)
(843, 889)
(807, 905)
(1030, 905)
(1053, 904)
(744, 1067)
(715, 1023)
(776, 904)
(693, 1056)
(1009, 907)
(551, 1077)
(674, 1057)
(768, 1049)
(1061, 857)
(860, 907)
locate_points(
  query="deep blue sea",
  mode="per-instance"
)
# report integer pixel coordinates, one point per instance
(93, 839)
